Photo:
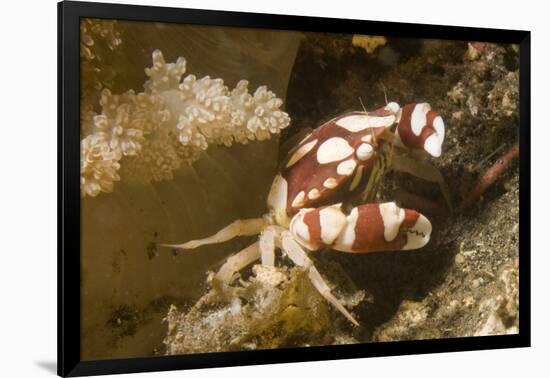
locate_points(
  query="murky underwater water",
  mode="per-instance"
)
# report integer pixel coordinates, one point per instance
(166, 193)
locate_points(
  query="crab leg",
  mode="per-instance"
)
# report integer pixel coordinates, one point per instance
(237, 262)
(423, 170)
(267, 244)
(240, 227)
(300, 258)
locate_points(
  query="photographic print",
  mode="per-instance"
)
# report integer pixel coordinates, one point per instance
(258, 189)
(246, 189)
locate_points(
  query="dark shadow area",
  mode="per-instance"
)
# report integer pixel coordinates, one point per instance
(392, 277)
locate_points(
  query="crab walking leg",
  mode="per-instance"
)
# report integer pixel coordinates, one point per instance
(267, 244)
(237, 262)
(423, 170)
(300, 258)
(240, 227)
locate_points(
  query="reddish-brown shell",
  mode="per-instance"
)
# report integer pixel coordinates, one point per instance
(308, 173)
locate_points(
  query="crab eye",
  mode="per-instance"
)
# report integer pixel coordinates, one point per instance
(393, 107)
(364, 152)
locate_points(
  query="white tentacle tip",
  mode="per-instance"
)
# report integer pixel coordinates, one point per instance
(393, 107)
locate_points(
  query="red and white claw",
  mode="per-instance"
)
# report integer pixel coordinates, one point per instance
(367, 228)
(420, 127)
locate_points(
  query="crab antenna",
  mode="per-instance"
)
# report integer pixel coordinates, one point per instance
(363, 106)
(385, 94)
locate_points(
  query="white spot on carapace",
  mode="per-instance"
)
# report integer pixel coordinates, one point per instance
(418, 117)
(277, 198)
(333, 149)
(347, 235)
(392, 216)
(313, 194)
(433, 143)
(330, 183)
(346, 167)
(332, 221)
(299, 200)
(364, 151)
(359, 122)
(301, 152)
(419, 235)
(357, 178)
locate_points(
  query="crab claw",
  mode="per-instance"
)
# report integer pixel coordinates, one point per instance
(419, 235)
(366, 228)
(387, 227)
(422, 128)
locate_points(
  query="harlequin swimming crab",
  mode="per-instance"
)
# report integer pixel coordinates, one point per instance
(323, 195)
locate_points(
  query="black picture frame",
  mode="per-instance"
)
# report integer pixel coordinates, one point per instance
(69, 361)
